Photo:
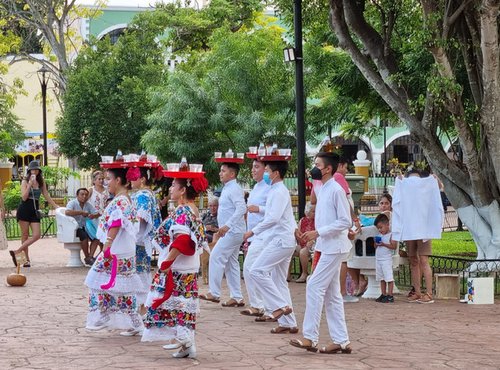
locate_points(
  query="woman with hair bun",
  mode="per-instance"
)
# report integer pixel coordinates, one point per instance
(148, 214)
(113, 281)
(173, 300)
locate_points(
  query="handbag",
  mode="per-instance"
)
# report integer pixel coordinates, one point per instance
(39, 214)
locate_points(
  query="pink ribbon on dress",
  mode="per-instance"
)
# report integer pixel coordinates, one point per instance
(114, 270)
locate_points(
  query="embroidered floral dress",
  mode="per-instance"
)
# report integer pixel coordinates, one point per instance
(176, 317)
(150, 219)
(116, 307)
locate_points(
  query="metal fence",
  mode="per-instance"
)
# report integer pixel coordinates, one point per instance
(463, 267)
(48, 227)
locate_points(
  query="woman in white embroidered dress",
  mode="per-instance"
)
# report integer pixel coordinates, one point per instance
(173, 300)
(112, 280)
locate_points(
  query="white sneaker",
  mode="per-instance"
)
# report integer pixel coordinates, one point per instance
(184, 352)
(131, 332)
(350, 299)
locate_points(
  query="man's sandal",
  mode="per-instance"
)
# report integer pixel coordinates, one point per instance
(252, 312)
(265, 318)
(284, 330)
(209, 297)
(306, 344)
(336, 348)
(233, 303)
(282, 312)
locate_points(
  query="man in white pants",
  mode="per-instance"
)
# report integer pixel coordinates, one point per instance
(276, 230)
(256, 209)
(224, 256)
(333, 219)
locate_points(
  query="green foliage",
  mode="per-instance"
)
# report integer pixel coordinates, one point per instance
(12, 195)
(54, 175)
(188, 29)
(106, 101)
(232, 96)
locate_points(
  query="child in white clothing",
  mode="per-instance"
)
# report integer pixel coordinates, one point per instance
(384, 251)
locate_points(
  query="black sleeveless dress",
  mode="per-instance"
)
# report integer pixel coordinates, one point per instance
(26, 210)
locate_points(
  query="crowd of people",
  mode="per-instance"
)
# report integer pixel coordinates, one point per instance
(125, 221)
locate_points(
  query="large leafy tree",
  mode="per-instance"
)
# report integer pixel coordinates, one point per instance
(49, 26)
(436, 66)
(11, 132)
(106, 100)
(232, 96)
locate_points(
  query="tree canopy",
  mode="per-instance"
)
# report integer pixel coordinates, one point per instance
(232, 96)
(106, 101)
(436, 67)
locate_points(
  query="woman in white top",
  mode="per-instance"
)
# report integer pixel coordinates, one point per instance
(98, 195)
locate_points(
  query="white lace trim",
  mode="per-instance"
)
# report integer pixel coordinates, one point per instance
(145, 285)
(115, 320)
(189, 305)
(123, 284)
(165, 333)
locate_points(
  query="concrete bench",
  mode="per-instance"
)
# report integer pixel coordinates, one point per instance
(364, 260)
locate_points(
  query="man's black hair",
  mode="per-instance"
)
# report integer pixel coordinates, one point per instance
(80, 189)
(329, 159)
(233, 166)
(280, 166)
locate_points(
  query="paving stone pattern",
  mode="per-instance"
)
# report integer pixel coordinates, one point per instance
(41, 327)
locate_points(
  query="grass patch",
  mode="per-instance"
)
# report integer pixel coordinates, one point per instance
(454, 243)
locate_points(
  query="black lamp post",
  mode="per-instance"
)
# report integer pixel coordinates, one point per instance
(43, 78)
(295, 55)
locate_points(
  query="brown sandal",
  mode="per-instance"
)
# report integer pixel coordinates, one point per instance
(233, 303)
(209, 297)
(300, 343)
(13, 255)
(265, 318)
(252, 312)
(284, 330)
(282, 312)
(336, 348)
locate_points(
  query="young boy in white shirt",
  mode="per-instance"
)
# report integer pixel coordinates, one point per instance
(384, 251)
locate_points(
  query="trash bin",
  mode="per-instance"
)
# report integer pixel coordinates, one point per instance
(357, 185)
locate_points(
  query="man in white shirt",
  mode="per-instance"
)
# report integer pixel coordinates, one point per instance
(256, 209)
(224, 256)
(276, 230)
(333, 220)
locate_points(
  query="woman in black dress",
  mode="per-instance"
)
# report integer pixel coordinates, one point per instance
(31, 188)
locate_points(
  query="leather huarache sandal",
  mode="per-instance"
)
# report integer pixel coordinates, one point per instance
(209, 297)
(282, 312)
(284, 330)
(306, 344)
(336, 348)
(252, 311)
(265, 318)
(233, 303)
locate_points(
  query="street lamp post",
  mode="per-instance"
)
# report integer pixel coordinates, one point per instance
(43, 78)
(299, 106)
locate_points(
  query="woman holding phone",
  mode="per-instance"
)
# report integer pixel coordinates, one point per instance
(27, 213)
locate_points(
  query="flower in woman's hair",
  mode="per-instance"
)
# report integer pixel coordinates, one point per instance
(199, 184)
(133, 174)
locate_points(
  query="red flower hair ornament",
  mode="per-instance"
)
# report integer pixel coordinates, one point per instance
(133, 174)
(199, 184)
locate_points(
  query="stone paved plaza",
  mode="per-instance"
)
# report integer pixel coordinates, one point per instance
(41, 327)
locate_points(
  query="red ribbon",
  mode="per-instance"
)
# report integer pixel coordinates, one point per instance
(169, 285)
(114, 270)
